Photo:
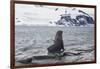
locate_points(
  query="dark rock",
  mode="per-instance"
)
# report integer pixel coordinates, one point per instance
(70, 54)
(25, 61)
(66, 19)
(43, 57)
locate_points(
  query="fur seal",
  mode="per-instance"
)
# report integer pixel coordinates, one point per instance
(58, 46)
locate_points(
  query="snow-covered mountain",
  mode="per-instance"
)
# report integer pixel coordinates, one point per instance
(80, 18)
(53, 16)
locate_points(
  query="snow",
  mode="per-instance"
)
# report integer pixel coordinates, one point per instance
(35, 29)
(42, 15)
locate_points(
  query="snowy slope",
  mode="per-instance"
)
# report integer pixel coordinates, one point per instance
(51, 15)
(75, 18)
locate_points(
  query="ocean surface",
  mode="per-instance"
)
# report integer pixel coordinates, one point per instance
(34, 40)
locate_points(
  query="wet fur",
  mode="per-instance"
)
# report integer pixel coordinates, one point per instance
(58, 43)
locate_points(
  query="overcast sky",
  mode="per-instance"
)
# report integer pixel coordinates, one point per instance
(42, 15)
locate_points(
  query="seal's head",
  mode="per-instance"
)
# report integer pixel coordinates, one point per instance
(59, 32)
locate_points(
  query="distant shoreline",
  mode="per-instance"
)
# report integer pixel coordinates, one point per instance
(50, 26)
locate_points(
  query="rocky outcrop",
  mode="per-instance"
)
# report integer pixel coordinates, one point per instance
(83, 19)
